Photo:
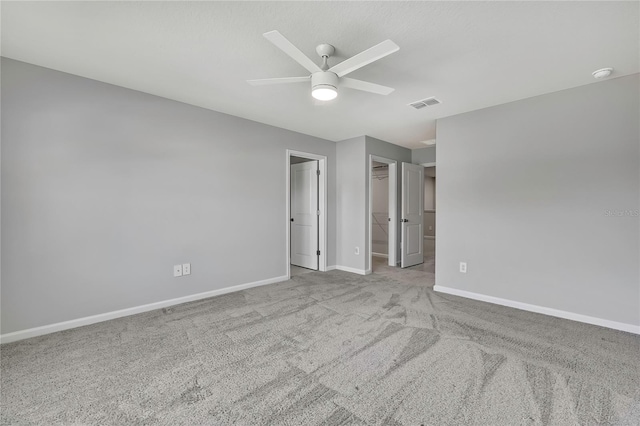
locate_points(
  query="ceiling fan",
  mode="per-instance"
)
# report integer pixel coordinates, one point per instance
(324, 80)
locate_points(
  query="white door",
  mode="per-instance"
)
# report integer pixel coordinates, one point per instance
(412, 211)
(304, 214)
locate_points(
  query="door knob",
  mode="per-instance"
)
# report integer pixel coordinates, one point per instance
(405, 220)
(291, 219)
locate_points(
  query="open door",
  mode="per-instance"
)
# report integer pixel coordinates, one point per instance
(304, 214)
(412, 211)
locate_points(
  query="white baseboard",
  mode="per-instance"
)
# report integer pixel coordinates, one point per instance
(66, 325)
(429, 237)
(331, 268)
(386, 256)
(352, 270)
(630, 328)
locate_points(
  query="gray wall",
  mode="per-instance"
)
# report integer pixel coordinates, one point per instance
(429, 192)
(546, 178)
(105, 188)
(351, 173)
(429, 221)
(423, 155)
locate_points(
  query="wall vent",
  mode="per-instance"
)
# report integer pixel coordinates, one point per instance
(425, 102)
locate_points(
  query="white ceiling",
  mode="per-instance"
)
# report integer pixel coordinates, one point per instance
(470, 55)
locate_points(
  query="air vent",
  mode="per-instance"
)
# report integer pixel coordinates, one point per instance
(418, 105)
(425, 102)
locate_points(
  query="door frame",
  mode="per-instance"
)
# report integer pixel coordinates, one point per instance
(393, 210)
(322, 206)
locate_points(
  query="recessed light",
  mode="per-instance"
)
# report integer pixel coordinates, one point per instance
(602, 73)
(429, 142)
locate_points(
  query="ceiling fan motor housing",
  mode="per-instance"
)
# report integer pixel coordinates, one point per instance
(324, 79)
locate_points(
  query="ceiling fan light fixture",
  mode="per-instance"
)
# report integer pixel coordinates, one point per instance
(324, 92)
(325, 80)
(324, 85)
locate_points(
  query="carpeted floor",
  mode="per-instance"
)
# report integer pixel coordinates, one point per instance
(327, 348)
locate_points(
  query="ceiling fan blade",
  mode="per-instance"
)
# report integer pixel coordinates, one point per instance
(365, 86)
(283, 80)
(378, 51)
(287, 47)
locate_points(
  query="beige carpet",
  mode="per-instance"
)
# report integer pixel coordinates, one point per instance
(326, 348)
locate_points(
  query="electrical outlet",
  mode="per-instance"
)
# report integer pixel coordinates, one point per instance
(357, 251)
(177, 270)
(186, 269)
(463, 267)
(430, 228)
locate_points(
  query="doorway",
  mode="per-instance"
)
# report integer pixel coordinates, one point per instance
(429, 216)
(306, 218)
(380, 210)
(404, 234)
(383, 213)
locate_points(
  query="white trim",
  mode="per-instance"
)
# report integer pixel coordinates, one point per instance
(428, 164)
(386, 256)
(352, 270)
(79, 322)
(331, 268)
(322, 196)
(630, 328)
(429, 237)
(393, 211)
